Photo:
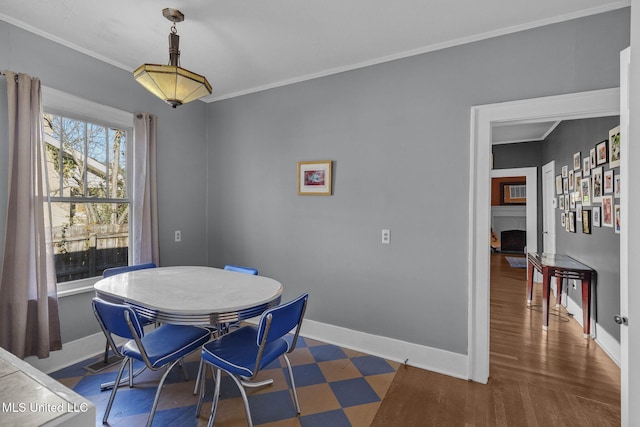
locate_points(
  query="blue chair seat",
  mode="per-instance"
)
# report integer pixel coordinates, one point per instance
(182, 340)
(231, 353)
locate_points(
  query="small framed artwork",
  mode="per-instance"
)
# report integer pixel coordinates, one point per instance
(563, 219)
(596, 184)
(585, 191)
(616, 186)
(601, 153)
(608, 182)
(572, 222)
(576, 161)
(572, 181)
(616, 215)
(561, 202)
(586, 222)
(566, 222)
(592, 158)
(314, 178)
(595, 216)
(614, 147)
(578, 212)
(572, 200)
(565, 171)
(577, 177)
(586, 166)
(565, 185)
(566, 202)
(607, 211)
(558, 184)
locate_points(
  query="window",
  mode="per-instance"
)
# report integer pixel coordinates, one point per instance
(87, 157)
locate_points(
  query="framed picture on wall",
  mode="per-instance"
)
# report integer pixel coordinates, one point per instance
(616, 218)
(586, 222)
(566, 202)
(608, 182)
(561, 202)
(592, 158)
(595, 216)
(563, 219)
(614, 147)
(585, 191)
(576, 161)
(578, 212)
(577, 177)
(314, 178)
(558, 184)
(572, 181)
(572, 222)
(616, 186)
(565, 171)
(565, 185)
(607, 211)
(596, 184)
(586, 166)
(601, 153)
(566, 223)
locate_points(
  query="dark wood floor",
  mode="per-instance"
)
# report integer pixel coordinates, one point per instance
(553, 378)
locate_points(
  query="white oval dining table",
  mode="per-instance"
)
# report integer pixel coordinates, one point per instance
(191, 295)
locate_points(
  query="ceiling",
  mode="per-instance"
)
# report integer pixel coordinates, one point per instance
(252, 45)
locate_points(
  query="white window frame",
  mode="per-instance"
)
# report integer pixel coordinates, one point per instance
(64, 104)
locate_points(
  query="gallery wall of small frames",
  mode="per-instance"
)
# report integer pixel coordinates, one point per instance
(588, 189)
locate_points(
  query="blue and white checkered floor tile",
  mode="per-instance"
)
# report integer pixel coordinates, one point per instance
(336, 386)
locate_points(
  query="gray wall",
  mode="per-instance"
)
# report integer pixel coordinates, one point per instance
(601, 249)
(182, 148)
(399, 135)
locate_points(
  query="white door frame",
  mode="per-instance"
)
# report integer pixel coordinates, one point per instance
(547, 205)
(591, 104)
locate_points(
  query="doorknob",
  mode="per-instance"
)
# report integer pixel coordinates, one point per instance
(621, 320)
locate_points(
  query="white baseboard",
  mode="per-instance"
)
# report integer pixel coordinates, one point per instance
(605, 340)
(423, 357)
(71, 353)
(431, 359)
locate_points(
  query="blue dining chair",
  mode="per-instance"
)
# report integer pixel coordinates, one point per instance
(245, 351)
(119, 270)
(241, 269)
(161, 348)
(225, 328)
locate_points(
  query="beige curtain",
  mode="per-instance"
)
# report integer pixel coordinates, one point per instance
(145, 193)
(29, 322)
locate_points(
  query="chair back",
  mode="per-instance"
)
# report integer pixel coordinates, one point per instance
(119, 270)
(278, 321)
(241, 269)
(117, 319)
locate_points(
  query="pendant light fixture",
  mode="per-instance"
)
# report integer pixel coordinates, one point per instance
(172, 83)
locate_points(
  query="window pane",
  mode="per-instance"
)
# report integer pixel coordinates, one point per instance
(117, 163)
(52, 140)
(97, 175)
(74, 147)
(89, 237)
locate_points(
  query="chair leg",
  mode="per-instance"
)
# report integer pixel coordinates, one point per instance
(130, 372)
(293, 384)
(106, 353)
(155, 400)
(114, 390)
(245, 400)
(199, 378)
(216, 396)
(184, 371)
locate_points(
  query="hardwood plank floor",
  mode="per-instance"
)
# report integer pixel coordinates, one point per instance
(537, 378)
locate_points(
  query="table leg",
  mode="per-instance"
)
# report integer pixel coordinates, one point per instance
(530, 271)
(546, 287)
(559, 283)
(586, 306)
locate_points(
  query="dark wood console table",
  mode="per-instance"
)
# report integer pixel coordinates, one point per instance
(562, 267)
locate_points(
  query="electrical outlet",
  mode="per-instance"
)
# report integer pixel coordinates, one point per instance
(178, 236)
(386, 236)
